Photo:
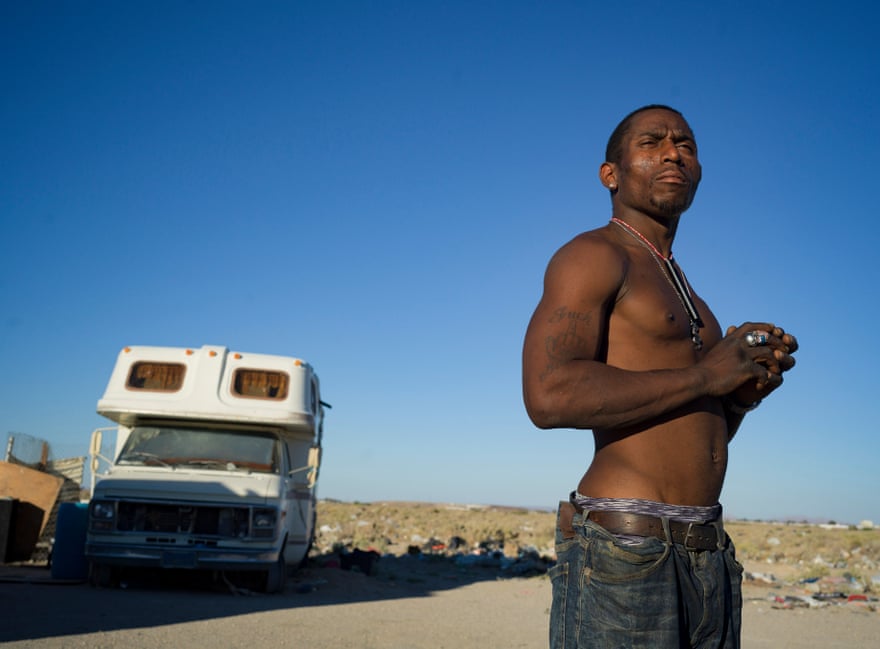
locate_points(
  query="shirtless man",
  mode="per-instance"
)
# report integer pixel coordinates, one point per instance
(619, 344)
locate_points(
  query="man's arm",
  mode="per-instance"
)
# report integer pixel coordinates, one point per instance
(566, 381)
(568, 384)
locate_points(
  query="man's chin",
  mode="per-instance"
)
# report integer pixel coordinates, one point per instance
(671, 208)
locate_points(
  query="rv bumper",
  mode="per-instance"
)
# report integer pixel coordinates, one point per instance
(191, 558)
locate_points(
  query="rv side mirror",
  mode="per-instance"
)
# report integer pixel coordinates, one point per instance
(95, 449)
(314, 464)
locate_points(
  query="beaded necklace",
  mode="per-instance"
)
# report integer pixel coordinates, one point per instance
(674, 276)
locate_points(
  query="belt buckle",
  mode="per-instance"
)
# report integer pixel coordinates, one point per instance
(690, 534)
(687, 537)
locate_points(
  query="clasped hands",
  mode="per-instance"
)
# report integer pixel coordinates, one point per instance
(774, 355)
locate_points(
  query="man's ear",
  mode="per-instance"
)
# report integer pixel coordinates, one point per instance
(608, 175)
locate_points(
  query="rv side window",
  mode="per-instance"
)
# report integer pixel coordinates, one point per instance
(260, 384)
(161, 377)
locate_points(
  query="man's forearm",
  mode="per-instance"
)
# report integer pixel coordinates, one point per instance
(592, 395)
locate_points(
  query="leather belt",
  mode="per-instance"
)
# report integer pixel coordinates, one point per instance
(694, 536)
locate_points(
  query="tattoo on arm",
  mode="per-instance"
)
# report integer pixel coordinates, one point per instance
(562, 346)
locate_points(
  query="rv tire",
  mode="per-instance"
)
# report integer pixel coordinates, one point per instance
(276, 576)
(102, 575)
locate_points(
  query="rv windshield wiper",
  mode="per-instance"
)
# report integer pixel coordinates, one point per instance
(225, 464)
(144, 458)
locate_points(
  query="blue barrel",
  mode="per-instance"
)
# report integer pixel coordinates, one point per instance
(69, 551)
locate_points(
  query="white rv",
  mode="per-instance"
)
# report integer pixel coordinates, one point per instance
(215, 464)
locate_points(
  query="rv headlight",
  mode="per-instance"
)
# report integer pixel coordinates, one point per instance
(103, 510)
(264, 522)
(102, 515)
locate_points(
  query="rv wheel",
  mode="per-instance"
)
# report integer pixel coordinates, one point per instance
(102, 576)
(276, 576)
(311, 542)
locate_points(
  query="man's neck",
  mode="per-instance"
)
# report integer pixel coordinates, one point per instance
(660, 231)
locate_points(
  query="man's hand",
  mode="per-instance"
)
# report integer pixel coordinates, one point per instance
(748, 372)
(775, 356)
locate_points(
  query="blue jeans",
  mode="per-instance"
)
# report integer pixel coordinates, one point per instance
(657, 594)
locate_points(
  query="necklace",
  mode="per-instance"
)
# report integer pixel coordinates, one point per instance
(674, 276)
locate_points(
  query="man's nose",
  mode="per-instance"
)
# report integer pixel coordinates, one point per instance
(670, 151)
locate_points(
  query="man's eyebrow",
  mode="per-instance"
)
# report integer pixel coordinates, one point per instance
(683, 135)
(677, 135)
(658, 133)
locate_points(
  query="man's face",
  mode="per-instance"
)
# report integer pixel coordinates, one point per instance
(659, 172)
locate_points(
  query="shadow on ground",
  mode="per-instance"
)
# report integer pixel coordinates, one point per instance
(34, 606)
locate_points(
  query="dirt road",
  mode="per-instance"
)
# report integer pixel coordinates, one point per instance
(409, 604)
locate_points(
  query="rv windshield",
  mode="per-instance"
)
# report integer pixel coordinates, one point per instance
(227, 450)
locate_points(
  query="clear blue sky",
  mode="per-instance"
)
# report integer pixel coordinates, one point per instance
(376, 187)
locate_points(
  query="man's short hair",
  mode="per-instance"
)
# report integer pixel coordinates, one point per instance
(614, 150)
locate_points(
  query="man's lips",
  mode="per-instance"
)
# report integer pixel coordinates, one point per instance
(671, 177)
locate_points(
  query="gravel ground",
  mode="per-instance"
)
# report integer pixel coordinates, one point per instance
(409, 603)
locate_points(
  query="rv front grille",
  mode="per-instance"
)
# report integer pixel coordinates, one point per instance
(204, 520)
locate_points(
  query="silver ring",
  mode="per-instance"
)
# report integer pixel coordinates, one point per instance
(756, 339)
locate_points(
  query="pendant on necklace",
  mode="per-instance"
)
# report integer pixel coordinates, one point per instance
(679, 283)
(695, 336)
(676, 279)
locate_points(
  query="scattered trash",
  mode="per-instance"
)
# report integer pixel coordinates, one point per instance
(309, 586)
(814, 567)
(362, 560)
(759, 576)
(857, 598)
(829, 596)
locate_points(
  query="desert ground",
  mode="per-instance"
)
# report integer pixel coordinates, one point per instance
(417, 575)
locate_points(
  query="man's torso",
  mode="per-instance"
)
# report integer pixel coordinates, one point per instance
(680, 458)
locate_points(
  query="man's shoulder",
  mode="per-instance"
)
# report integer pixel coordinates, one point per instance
(592, 247)
(592, 261)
